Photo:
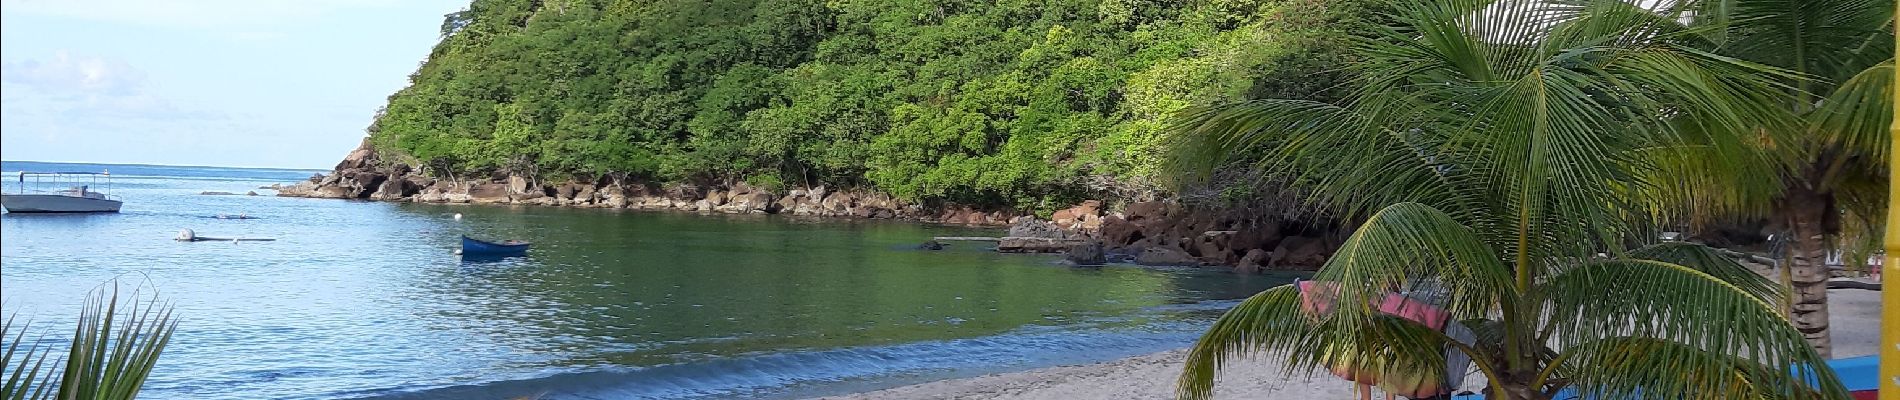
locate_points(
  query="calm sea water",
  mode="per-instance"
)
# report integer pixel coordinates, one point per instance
(365, 300)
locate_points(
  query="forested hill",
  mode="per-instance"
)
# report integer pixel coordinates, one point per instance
(1012, 102)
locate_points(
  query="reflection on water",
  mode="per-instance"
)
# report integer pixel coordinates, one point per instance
(365, 299)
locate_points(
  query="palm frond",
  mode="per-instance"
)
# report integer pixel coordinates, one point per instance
(1709, 261)
(1408, 244)
(1828, 39)
(1856, 116)
(1270, 321)
(1278, 322)
(100, 363)
(1650, 368)
(1325, 148)
(1664, 301)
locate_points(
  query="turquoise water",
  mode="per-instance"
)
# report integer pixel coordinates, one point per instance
(365, 300)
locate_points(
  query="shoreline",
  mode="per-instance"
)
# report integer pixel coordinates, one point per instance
(1854, 322)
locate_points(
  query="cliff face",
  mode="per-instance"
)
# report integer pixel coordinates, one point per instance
(1150, 233)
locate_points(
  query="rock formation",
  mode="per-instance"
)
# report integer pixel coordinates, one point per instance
(1145, 232)
(364, 175)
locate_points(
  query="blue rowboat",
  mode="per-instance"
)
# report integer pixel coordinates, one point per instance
(471, 246)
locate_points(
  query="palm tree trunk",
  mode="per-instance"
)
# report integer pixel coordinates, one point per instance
(1515, 391)
(1806, 211)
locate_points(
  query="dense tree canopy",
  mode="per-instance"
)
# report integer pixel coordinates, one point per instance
(1015, 102)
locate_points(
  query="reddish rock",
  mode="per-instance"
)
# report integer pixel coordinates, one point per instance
(1117, 232)
(1300, 251)
(1064, 217)
(1213, 245)
(1088, 208)
(1147, 210)
(1252, 263)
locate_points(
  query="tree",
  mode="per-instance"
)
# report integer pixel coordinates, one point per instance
(985, 103)
(1510, 153)
(1829, 184)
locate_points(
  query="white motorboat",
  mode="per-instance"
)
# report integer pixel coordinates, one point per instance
(74, 199)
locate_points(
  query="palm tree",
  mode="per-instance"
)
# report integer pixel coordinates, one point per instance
(1832, 163)
(100, 363)
(1517, 154)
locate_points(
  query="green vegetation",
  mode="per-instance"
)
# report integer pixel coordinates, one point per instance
(1013, 103)
(99, 363)
(1521, 162)
(1828, 193)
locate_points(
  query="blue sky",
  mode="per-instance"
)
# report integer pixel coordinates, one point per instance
(244, 83)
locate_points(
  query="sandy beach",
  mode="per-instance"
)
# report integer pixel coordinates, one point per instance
(1855, 315)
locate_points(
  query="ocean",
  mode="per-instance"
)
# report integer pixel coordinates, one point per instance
(359, 299)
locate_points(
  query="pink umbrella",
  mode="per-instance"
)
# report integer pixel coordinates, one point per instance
(1317, 298)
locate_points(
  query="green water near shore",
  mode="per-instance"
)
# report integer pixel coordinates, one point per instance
(361, 299)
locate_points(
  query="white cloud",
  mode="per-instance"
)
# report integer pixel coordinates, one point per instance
(79, 91)
(75, 73)
(188, 13)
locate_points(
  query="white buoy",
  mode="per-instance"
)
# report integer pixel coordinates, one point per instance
(185, 235)
(458, 216)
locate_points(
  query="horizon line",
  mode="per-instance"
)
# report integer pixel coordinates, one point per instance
(162, 165)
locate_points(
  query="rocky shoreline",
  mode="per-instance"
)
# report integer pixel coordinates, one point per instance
(1147, 233)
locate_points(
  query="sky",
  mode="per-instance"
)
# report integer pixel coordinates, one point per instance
(237, 83)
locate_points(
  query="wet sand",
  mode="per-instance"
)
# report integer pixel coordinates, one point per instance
(1855, 315)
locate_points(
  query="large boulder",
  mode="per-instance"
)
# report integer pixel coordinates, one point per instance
(396, 189)
(1035, 228)
(1165, 256)
(1213, 245)
(1064, 217)
(566, 191)
(1146, 210)
(1259, 235)
(615, 199)
(1033, 245)
(655, 202)
(351, 184)
(1299, 251)
(334, 192)
(517, 184)
(300, 189)
(1117, 232)
(1085, 217)
(751, 202)
(685, 192)
(431, 194)
(879, 201)
(1253, 262)
(585, 194)
(839, 203)
(488, 193)
(363, 157)
(1087, 253)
